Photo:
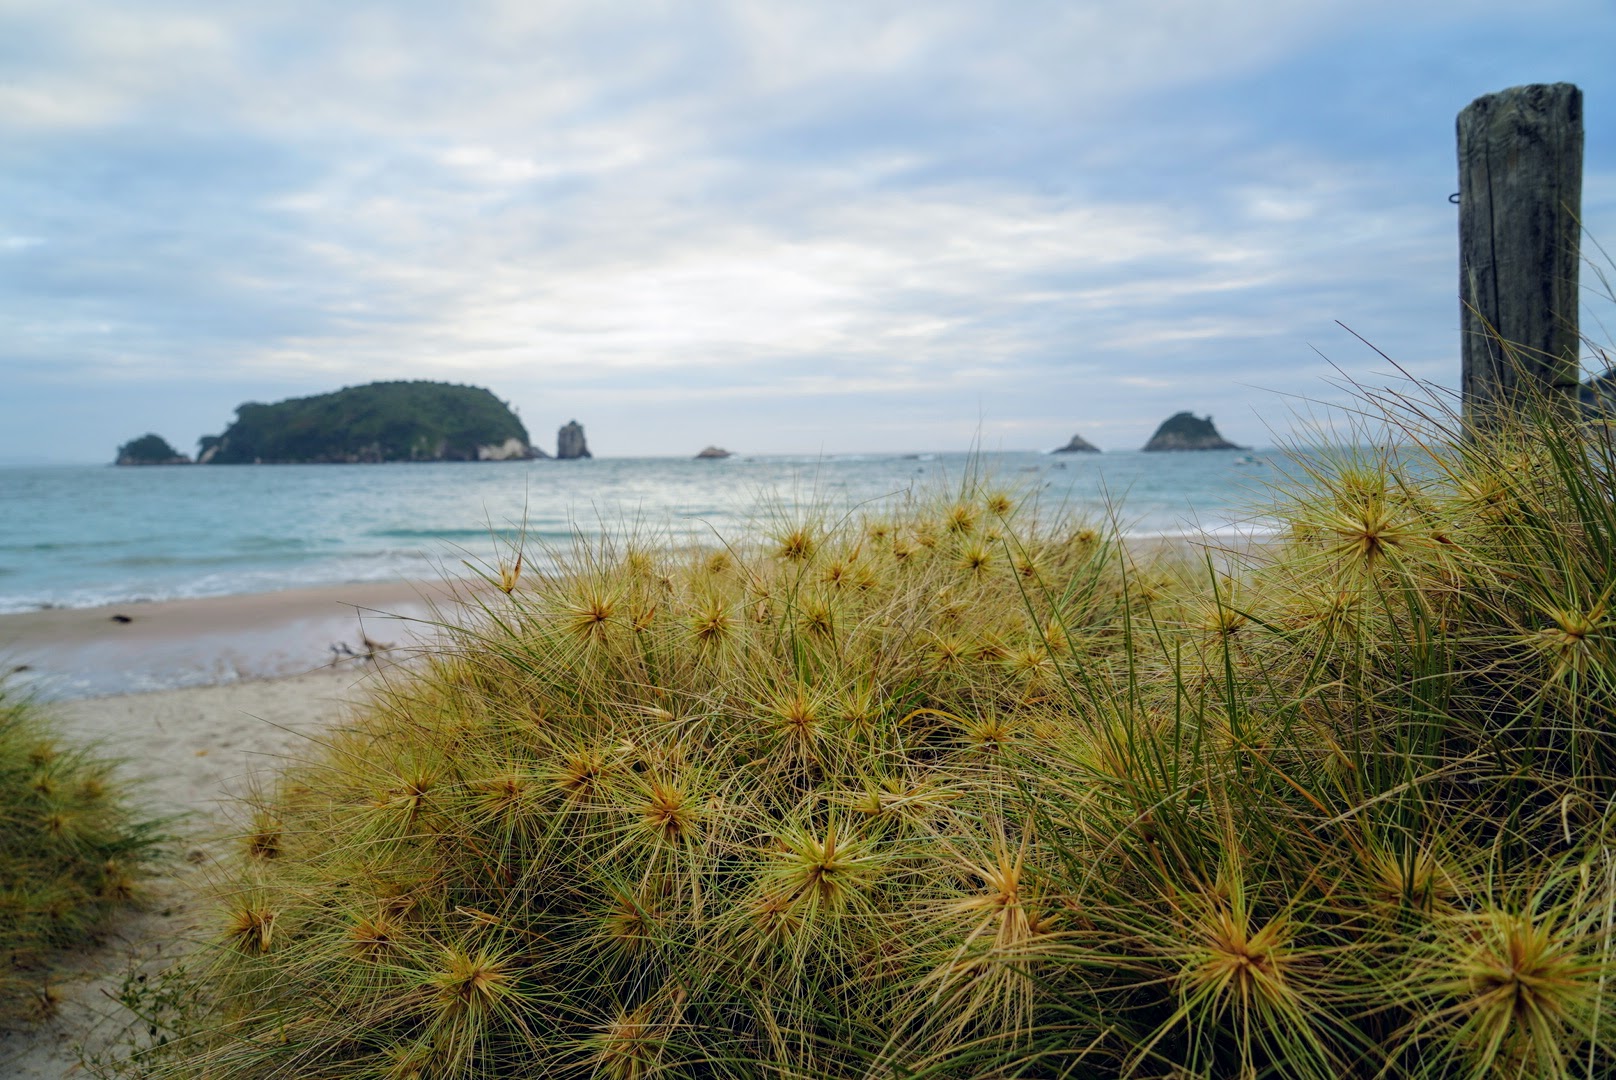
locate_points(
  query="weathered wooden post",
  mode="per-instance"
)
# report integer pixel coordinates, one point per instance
(1520, 205)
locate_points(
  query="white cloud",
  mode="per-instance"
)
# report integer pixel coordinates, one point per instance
(964, 205)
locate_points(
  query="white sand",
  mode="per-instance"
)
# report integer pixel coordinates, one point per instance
(188, 750)
(129, 648)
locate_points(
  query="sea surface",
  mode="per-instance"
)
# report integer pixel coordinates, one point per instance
(86, 536)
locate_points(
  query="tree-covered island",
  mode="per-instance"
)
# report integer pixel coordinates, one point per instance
(382, 421)
(149, 449)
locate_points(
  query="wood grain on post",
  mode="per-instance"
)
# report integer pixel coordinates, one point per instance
(1520, 203)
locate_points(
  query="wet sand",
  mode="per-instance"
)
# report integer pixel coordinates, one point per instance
(91, 652)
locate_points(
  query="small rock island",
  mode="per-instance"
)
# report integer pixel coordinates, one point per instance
(570, 444)
(150, 449)
(712, 452)
(1186, 431)
(1078, 445)
(381, 421)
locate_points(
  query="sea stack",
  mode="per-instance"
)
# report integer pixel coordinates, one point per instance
(570, 444)
(1078, 445)
(1186, 431)
(712, 452)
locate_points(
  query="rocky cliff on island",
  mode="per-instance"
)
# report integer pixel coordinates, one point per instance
(150, 449)
(1078, 445)
(712, 452)
(570, 444)
(1186, 431)
(383, 421)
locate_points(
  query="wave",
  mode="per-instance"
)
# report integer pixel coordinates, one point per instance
(347, 570)
(447, 534)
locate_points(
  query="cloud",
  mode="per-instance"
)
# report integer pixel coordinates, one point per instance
(859, 212)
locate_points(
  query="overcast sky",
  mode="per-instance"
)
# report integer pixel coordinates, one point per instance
(774, 226)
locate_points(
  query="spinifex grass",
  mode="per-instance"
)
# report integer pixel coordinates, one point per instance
(962, 788)
(71, 852)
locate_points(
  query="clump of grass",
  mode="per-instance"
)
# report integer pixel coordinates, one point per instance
(72, 852)
(963, 787)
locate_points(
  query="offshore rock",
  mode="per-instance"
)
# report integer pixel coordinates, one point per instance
(570, 444)
(1186, 431)
(150, 450)
(1078, 445)
(713, 452)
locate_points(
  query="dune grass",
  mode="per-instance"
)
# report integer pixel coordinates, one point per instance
(960, 786)
(72, 852)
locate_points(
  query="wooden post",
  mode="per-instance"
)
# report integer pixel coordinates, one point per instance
(1520, 205)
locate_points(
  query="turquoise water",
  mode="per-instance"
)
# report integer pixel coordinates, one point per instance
(84, 536)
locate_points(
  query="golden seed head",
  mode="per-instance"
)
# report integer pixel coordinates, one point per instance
(251, 928)
(960, 519)
(640, 563)
(818, 618)
(838, 575)
(712, 623)
(976, 558)
(947, 652)
(579, 774)
(469, 983)
(590, 616)
(264, 841)
(510, 574)
(629, 925)
(1224, 620)
(668, 812)
(371, 936)
(797, 545)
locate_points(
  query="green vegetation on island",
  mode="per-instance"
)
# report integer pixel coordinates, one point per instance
(150, 449)
(965, 788)
(72, 852)
(383, 421)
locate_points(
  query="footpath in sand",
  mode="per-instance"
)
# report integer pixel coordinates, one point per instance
(189, 754)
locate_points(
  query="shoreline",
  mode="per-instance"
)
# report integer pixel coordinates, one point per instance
(68, 654)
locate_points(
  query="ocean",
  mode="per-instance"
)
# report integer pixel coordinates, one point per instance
(87, 536)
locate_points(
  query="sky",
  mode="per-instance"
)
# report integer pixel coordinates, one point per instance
(778, 227)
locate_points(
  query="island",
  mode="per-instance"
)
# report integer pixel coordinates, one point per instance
(150, 449)
(378, 422)
(570, 443)
(1078, 445)
(712, 452)
(1186, 431)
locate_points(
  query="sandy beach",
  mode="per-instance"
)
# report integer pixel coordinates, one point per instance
(276, 684)
(63, 654)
